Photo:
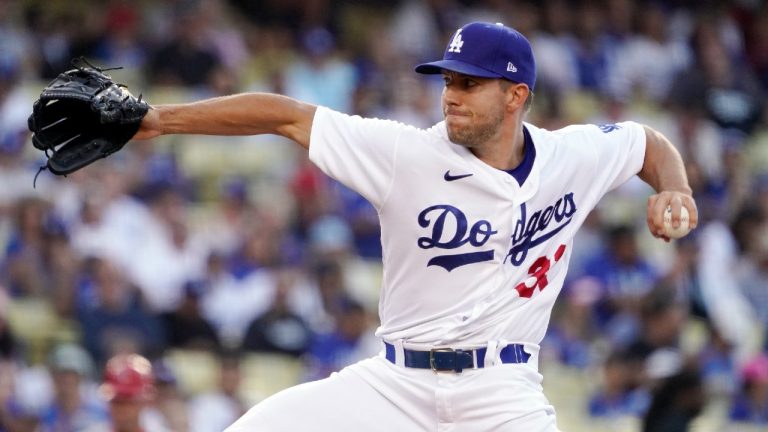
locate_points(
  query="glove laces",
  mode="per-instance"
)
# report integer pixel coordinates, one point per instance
(78, 63)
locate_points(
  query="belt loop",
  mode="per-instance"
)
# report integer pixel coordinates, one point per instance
(500, 346)
(490, 354)
(399, 352)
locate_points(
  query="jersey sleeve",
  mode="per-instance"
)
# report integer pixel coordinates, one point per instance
(358, 152)
(620, 152)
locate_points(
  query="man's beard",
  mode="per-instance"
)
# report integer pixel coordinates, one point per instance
(477, 134)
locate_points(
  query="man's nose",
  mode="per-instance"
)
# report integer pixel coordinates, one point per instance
(451, 96)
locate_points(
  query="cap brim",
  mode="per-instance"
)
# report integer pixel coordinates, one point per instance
(439, 66)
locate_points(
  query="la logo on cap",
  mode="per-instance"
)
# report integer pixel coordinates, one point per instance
(456, 43)
(511, 67)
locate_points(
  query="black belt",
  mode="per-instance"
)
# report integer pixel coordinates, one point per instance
(456, 360)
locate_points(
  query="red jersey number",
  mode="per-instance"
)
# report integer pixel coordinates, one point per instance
(538, 274)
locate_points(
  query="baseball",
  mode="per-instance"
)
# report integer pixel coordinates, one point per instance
(680, 231)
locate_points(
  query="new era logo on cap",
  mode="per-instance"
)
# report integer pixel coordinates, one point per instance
(487, 50)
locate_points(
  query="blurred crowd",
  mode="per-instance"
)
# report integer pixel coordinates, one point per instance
(239, 247)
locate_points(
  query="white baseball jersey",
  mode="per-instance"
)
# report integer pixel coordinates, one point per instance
(469, 254)
(471, 259)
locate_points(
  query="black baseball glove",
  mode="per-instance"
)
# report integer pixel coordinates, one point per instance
(81, 116)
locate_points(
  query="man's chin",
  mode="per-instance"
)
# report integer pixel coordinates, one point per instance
(458, 140)
(454, 131)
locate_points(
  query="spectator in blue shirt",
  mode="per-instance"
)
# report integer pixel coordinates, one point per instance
(620, 394)
(74, 408)
(751, 403)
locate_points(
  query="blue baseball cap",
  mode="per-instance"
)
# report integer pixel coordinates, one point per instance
(487, 50)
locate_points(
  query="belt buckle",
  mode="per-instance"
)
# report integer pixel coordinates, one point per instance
(432, 359)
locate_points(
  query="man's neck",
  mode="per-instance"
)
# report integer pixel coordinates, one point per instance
(504, 152)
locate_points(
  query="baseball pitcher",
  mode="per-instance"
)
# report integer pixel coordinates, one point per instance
(478, 215)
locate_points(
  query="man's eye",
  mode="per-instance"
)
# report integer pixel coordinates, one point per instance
(470, 83)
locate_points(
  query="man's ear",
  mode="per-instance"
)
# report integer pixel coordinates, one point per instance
(517, 94)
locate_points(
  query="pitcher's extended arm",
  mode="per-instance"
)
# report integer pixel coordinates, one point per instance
(240, 114)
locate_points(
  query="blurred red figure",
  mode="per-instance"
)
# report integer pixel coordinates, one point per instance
(128, 387)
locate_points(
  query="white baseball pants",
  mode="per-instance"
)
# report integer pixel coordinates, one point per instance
(376, 395)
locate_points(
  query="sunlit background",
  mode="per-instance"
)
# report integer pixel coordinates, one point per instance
(239, 269)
